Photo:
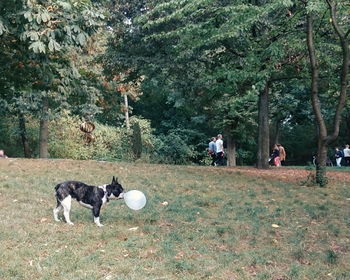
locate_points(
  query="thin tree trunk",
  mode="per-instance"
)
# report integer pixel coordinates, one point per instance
(23, 133)
(126, 104)
(321, 176)
(263, 130)
(44, 131)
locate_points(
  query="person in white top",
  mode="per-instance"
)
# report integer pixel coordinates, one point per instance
(338, 156)
(346, 152)
(219, 150)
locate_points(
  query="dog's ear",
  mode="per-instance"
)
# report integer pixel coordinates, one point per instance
(114, 180)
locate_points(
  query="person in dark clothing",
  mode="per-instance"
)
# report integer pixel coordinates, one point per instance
(275, 157)
(212, 150)
(338, 156)
(219, 150)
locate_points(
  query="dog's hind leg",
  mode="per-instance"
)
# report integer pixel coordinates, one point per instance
(67, 203)
(56, 210)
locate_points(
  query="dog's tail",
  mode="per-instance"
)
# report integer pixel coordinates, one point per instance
(56, 190)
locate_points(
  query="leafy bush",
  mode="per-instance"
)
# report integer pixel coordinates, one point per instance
(67, 141)
(174, 149)
(110, 143)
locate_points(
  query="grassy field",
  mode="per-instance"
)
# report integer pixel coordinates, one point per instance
(218, 224)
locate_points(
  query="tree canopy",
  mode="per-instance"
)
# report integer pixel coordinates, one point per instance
(259, 72)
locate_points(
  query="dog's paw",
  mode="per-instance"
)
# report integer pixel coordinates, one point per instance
(97, 221)
(70, 223)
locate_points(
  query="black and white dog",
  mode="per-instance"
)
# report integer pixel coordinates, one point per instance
(91, 197)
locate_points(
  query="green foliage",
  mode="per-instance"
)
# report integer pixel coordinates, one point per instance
(10, 136)
(147, 134)
(37, 52)
(175, 147)
(110, 143)
(67, 141)
(202, 65)
(222, 54)
(56, 25)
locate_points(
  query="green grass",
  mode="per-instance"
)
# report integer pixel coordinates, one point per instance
(217, 225)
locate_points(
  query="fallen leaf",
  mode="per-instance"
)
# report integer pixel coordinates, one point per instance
(134, 228)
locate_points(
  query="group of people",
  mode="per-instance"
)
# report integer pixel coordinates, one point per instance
(278, 156)
(342, 156)
(216, 150)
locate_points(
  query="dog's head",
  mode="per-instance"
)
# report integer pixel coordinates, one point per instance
(115, 190)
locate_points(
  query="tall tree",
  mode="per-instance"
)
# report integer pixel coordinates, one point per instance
(43, 33)
(341, 27)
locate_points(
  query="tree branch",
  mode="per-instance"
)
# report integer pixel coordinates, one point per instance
(347, 33)
(316, 105)
(344, 69)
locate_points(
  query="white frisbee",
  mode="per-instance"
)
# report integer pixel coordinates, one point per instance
(135, 199)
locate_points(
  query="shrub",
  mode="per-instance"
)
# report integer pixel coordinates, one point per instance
(173, 149)
(67, 141)
(110, 143)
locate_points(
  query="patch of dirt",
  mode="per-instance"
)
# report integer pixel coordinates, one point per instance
(290, 174)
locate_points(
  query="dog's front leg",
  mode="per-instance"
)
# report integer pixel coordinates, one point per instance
(96, 213)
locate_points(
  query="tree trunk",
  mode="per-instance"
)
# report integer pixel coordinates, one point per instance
(126, 104)
(23, 133)
(321, 177)
(231, 149)
(44, 131)
(321, 163)
(263, 130)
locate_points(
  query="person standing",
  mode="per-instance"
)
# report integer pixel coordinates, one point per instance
(219, 150)
(212, 150)
(275, 157)
(346, 153)
(282, 154)
(338, 156)
(2, 154)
